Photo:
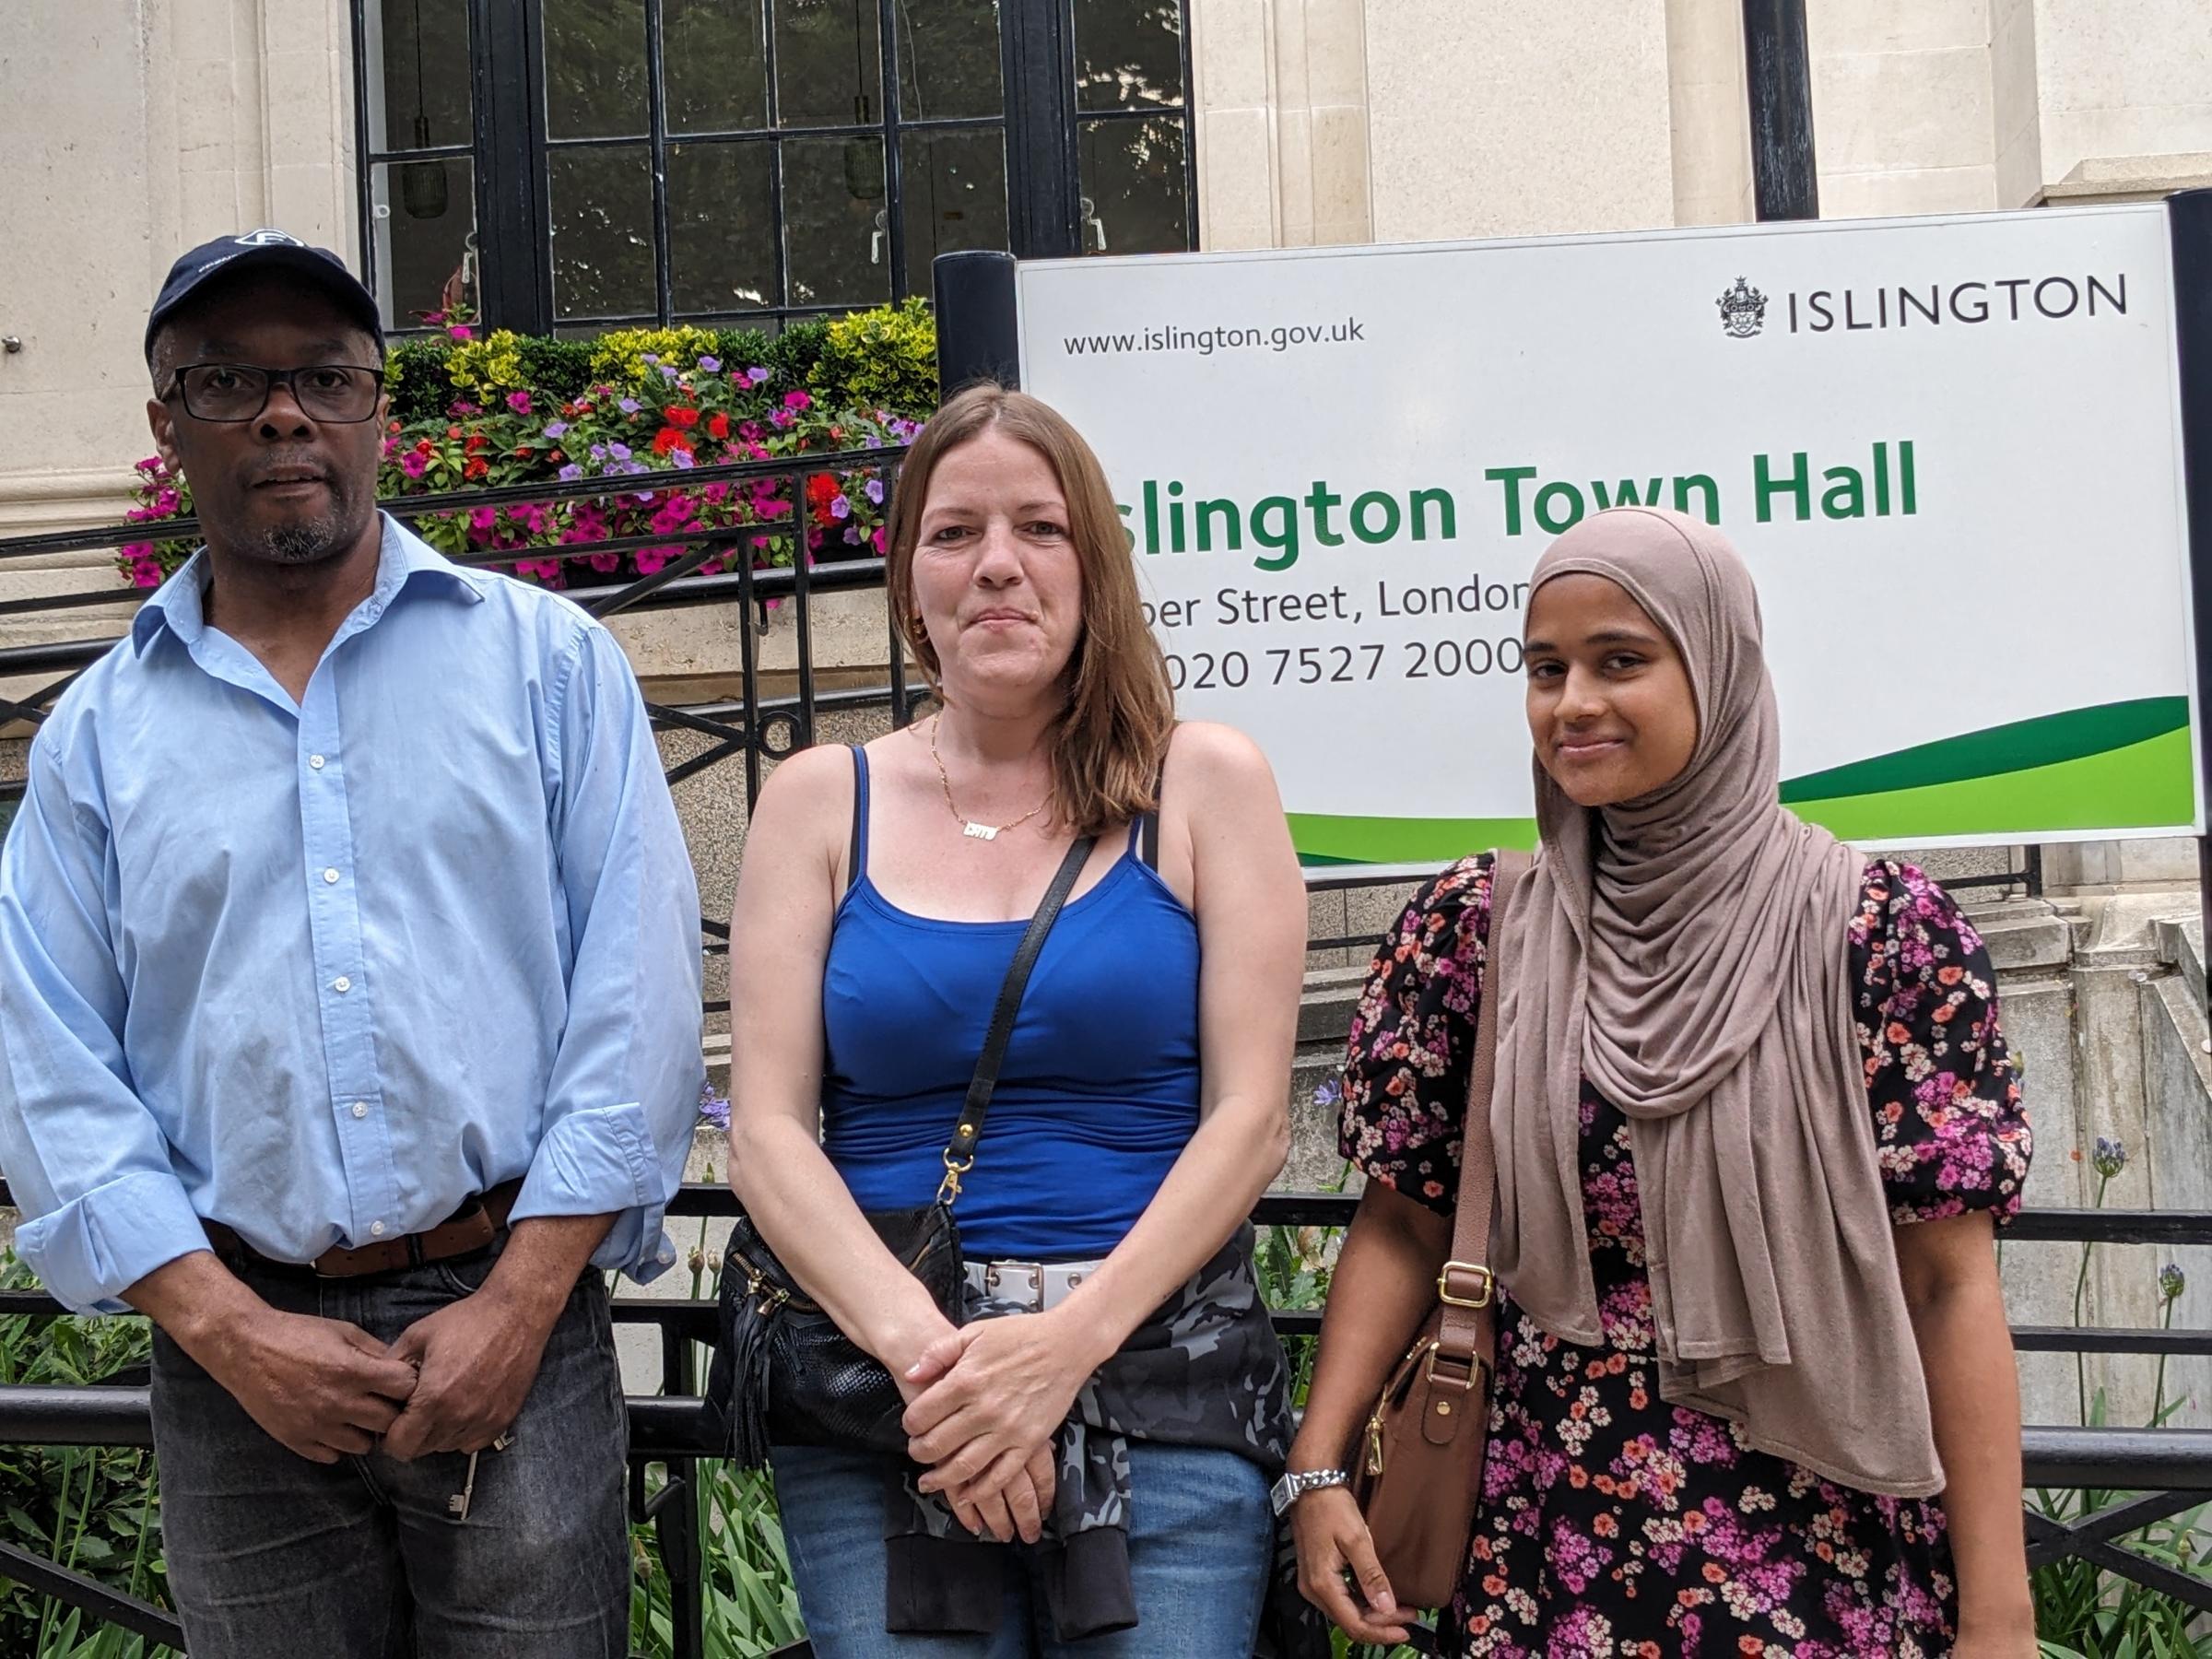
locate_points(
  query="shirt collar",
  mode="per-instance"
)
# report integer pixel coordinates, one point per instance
(404, 561)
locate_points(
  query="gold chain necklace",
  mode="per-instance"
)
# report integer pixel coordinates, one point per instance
(968, 825)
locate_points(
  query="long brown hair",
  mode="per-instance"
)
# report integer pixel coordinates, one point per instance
(1112, 735)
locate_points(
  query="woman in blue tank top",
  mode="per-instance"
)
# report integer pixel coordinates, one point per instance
(1092, 1449)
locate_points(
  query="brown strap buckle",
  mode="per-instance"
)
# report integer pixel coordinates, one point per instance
(1474, 1296)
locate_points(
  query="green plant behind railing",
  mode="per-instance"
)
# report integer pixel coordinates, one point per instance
(93, 1508)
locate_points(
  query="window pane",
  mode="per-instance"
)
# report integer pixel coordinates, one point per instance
(594, 68)
(714, 70)
(602, 204)
(829, 63)
(722, 227)
(953, 187)
(418, 81)
(425, 225)
(948, 59)
(835, 231)
(1132, 186)
(1128, 53)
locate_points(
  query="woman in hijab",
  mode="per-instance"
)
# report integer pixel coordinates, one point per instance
(1754, 1123)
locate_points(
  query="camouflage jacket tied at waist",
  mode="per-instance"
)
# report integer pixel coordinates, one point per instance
(1207, 1370)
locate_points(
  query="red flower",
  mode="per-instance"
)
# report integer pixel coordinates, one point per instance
(718, 425)
(670, 438)
(476, 440)
(477, 468)
(680, 415)
(523, 451)
(452, 432)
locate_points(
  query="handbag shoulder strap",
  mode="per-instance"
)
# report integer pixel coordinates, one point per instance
(960, 1155)
(1470, 1289)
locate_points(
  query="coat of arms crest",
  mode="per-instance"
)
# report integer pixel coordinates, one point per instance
(1742, 311)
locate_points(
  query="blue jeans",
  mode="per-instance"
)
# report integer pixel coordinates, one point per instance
(1200, 1544)
(272, 1556)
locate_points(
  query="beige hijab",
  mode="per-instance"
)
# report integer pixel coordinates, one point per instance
(1689, 952)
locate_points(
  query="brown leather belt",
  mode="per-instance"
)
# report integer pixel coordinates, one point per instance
(476, 1226)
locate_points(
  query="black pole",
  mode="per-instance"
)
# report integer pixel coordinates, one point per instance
(1783, 174)
(2189, 223)
(977, 339)
(1044, 188)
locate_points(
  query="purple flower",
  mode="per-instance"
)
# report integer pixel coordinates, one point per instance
(413, 464)
(628, 406)
(682, 458)
(874, 489)
(714, 1108)
(557, 429)
(839, 508)
(666, 373)
(2109, 1157)
(650, 356)
(756, 374)
(708, 365)
(571, 473)
(599, 451)
(621, 451)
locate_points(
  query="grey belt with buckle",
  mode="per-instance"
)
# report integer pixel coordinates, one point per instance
(1032, 1285)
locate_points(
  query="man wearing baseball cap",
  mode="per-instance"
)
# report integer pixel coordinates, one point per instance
(350, 994)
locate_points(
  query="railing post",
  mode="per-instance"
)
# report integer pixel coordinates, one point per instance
(977, 339)
(676, 1526)
(1779, 83)
(2189, 225)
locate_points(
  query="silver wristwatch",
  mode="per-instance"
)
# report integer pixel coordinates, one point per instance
(1291, 1488)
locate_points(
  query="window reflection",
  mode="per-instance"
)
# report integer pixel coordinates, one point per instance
(953, 187)
(1128, 53)
(948, 59)
(602, 249)
(829, 63)
(425, 264)
(721, 227)
(594, 68)
(1134, 183)
(714, 65)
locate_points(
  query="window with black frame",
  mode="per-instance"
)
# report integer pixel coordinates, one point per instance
(745, 160)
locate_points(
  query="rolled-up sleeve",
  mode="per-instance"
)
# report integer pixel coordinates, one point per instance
(86, 1163)
(625, 1090)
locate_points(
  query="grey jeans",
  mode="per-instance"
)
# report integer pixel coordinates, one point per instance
(272, 1556)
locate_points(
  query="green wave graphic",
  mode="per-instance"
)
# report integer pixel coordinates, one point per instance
(2017, 747)
(2122, 766)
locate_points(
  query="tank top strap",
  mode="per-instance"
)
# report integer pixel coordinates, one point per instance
(856, 867)
(1144, 830)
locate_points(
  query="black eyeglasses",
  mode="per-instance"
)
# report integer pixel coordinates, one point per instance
(236, 392)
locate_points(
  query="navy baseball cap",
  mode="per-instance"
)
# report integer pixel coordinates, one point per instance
(260, 250)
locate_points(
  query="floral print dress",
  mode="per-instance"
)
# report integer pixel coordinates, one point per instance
(1611, 1522)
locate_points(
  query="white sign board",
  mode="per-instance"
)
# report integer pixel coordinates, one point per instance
(1949, 450)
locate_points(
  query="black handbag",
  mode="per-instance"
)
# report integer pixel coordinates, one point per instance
(783, 1373)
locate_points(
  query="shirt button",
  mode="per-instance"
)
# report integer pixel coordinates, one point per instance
(315, 761)
(360, 1109)
(331, 877)
(376, 1229)
(342, 984)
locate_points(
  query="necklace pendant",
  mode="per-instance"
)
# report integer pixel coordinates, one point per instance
(980, 832)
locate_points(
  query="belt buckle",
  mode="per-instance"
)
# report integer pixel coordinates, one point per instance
(1034, 1271)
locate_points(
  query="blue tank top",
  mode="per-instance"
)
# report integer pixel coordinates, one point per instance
(1098, 1094)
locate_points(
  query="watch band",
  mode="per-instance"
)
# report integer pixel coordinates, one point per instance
(1291, 1488)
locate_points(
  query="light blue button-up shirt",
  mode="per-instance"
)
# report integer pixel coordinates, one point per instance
(324, 971)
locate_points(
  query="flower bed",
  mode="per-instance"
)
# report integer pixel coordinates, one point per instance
(643, 404)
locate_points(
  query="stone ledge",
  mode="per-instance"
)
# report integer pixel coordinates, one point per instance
(2130, 178)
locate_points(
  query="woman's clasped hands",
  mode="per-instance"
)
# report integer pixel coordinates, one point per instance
(984, 1407)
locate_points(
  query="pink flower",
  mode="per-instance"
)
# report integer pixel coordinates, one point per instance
(461, 331)
(519, 402)
(797, 400)
(413, 464)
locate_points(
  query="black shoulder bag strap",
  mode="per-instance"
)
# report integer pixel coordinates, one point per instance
(959, 1156)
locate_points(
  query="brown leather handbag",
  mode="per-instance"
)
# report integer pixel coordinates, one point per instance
(1416, 1470)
